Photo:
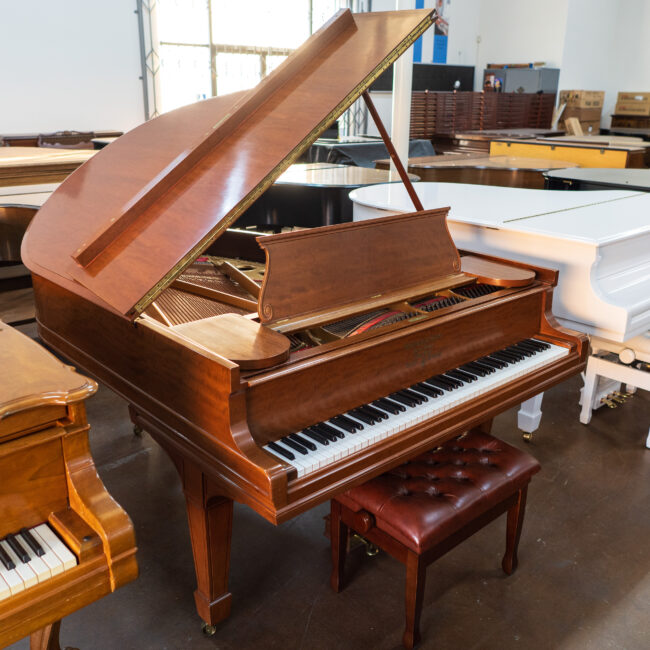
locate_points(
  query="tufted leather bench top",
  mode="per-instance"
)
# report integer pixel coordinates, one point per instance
(432, 496)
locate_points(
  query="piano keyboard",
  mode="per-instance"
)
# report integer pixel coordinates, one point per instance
(30, 557)
(330, 441)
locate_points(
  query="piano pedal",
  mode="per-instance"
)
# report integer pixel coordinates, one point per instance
(623, 396)
(608, 403)
(371, 549)
(208, 630)
(527, 436)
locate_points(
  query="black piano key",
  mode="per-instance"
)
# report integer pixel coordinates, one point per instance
(31, 541)
(511, 355)
(350, 423)
(455, 382)
(497, 364)
(403, 399)
(360, 415)
(282, 451)
(324, 432)
(314, 435)
(294, 445)
(323, 426)
(350, 428)
(522, 350)
(461, 375)
(391, 407)
(375, 417)
(489, 369)
(502, 357)
(374, 411)
(523, 345)
(431, 391)
(520, 356)
(542, 345)
(418, 397)
(302, 441)
(17, 548)
(439, 383)
(6, 560)
(474, 369)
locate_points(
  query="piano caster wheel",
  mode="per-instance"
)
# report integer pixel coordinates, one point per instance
(208, 630)
(137, 431)
(371, 549)
(527, 436)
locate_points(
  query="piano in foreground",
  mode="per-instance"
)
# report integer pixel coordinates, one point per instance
(279, 376)
(64, 542)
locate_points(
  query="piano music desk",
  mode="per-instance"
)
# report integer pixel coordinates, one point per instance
(47, 476)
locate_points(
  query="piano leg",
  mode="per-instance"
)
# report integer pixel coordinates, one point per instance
(47, 638)
(210, 519)
(529, 416)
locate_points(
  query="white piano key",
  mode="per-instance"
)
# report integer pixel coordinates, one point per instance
(5, 592)
(12, 580)
(23, 570)
(39, 567)
(66, 556)
(371, 434)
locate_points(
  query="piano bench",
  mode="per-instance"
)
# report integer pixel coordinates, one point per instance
(423, 508)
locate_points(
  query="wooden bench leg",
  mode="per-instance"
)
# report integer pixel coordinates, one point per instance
(415, 579)
(339, 540)
(513, 531)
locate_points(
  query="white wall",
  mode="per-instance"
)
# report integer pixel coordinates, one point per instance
(607, 47)
(69, 64)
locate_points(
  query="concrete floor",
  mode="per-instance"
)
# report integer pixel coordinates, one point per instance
(583, 579)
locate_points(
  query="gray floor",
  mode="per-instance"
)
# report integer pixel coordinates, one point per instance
(583, 579)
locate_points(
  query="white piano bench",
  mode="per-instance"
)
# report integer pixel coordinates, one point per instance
(599, 367)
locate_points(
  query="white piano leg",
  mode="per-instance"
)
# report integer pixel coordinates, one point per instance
(647, 440)
(591, 379)
(530, 414)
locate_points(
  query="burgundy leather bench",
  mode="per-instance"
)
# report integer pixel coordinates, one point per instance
(423, 508)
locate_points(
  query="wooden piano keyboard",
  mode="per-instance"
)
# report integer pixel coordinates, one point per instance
(356, 430)
(32, 556)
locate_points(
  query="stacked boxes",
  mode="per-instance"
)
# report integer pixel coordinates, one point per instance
(586, 105)
(633, 104)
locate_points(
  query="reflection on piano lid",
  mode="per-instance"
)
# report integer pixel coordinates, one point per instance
(598, 240)
(226, 343)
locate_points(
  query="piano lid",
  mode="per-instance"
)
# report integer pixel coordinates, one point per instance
(123, 226)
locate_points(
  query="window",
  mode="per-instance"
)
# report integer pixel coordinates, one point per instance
(215, 47)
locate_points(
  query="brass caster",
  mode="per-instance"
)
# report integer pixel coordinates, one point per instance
(371, 549)
(137, 431)
(208, 630)
(528, 437)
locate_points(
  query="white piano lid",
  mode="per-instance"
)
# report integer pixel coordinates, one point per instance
(488, 205)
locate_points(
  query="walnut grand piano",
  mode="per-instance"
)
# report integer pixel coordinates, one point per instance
(364, 345)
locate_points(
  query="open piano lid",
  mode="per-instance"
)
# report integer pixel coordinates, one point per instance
(126, 223)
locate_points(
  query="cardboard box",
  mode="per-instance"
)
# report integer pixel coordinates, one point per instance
(633, 104)
(589, 127)
(583, 114)
(582, 98)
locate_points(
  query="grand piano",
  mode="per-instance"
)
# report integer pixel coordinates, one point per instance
(278, 370)
(598, 240)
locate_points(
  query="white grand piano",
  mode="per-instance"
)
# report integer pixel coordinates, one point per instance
(599, 241)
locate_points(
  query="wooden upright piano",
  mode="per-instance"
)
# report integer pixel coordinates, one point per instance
(279, 376)
(64, 542)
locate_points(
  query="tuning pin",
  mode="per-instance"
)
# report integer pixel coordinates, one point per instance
(608, 403)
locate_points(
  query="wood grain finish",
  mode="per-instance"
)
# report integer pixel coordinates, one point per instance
(238, 339)
(29, 165)
(501, 275)
(170, 233)
(504, 171)
(361, 261)
(47, 474)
